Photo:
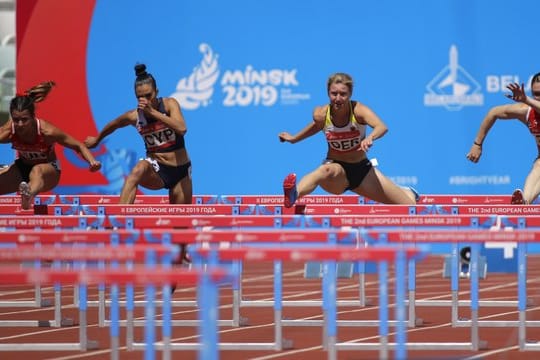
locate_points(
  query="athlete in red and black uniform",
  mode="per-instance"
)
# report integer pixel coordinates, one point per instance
(527, 111)
(346, 166)
(36, 168)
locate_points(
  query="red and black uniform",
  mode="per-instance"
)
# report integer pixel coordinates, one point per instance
(30, 154)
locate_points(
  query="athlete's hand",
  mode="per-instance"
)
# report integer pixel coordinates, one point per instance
(518, 92)
(285, 136)
(94, 166)
(475, 153)
(145, 105)
(366, 144)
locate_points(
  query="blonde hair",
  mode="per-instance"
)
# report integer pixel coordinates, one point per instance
(340, 78)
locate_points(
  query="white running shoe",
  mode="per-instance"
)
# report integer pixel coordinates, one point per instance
(26, 198)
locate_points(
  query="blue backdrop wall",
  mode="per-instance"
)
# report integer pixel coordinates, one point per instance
(245, 70)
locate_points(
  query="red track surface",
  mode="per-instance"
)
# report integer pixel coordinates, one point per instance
(257, 285)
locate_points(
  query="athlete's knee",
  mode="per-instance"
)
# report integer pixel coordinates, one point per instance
(136, 174)
(327, 172)
(36, 172)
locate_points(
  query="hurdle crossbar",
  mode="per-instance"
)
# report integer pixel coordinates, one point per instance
(331, 254)
(520, 237)
(38, 252)
(135, 275)
(440, 199)
(180, 236)
(243, 221)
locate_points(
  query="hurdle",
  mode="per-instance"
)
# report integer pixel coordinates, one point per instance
(303, 221)
(260, 209)
(71, 253)
(330, 254)
(37, 252)
(48, 237)
(457, 209)
(191, 236)
(440, 199)
(247, 236)
(523, 343)
(8, 223)
(522, 237)
(193, 221)
(115, 277)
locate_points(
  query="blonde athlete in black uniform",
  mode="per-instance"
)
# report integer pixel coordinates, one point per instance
(527, 111)
(346, 166)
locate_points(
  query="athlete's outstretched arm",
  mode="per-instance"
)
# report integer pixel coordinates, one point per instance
(70, 142)
(519, 95)
(502, 112)
(311, 129)
(123, 120)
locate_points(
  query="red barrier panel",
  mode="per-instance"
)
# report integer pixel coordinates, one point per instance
(106, 253)
(135, 275)
(313, 254)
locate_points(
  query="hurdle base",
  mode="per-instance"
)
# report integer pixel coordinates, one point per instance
(67, 322)
(287, 344)
(313, 270)
(243, 321)
(46, 303)
(92, 345)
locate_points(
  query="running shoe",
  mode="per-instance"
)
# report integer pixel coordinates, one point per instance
(289, 190)
(26, 198)
(183, 259)
(517, 198)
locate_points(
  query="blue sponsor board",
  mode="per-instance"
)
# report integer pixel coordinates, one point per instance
(244, 71)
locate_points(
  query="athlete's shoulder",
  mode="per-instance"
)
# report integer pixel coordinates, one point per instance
(129, 117)
(170, 101)
(319, 112)
(357, 105)
(46, 128)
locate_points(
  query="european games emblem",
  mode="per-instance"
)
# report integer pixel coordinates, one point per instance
(453, 87)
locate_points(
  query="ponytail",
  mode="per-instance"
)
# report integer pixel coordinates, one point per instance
(31, 96)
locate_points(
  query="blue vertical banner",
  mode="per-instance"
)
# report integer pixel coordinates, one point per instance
(244, 71)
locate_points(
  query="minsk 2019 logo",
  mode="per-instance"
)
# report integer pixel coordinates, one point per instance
(453, 87)
(247, 87)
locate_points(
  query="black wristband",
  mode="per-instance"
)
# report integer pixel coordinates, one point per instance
(477, 144)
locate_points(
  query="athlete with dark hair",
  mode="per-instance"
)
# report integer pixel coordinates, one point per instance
(36, 168)
(160, 122)
(162, 127)
(527, 111)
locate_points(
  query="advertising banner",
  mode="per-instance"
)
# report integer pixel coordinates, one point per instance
(243, 71)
